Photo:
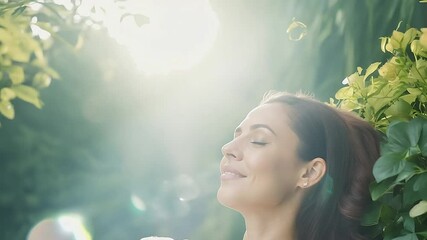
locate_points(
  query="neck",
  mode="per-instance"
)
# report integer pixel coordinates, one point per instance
(272, 224)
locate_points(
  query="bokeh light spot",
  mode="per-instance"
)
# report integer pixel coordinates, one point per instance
(296, 30)
(187, 188)
(65, 227)
(138, 203)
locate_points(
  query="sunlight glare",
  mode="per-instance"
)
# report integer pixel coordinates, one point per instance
(178, 35)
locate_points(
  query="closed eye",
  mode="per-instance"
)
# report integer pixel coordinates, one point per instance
(259, 143)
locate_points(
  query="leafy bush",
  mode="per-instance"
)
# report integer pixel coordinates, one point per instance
(23, 66)
(393, 97)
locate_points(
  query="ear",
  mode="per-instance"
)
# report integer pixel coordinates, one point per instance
(312, 173)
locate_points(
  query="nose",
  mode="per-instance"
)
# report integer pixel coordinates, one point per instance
(231, 151)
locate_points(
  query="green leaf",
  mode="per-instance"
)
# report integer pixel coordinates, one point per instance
(28, 94)
(410, 236)
(408, 223)
(418, 209)
(379, 189)
(423, 234)
(16, 74)
(421, 182)
(6, 108)
(372, 214)
(423, 140)
(409, 195)
(389, 165)
(407, 172)
(403, 135)
(19, 10)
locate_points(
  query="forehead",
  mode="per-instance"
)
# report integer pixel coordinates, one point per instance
(273, 114)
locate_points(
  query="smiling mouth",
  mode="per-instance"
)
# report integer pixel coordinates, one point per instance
(231, 175)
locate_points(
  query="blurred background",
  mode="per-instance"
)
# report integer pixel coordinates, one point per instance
(128, 141)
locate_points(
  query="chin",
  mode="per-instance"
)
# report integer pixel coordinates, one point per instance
(227, 198)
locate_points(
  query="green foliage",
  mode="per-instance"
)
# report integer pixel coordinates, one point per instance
(24, 69)
(28, 29)
(392, 96)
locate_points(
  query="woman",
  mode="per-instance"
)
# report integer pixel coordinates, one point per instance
(298, 169)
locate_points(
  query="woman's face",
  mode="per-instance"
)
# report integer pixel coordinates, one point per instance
(260, 167)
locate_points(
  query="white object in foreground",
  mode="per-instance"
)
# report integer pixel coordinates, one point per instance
(156, 238)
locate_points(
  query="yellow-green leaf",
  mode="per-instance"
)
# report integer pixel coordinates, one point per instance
(5, 36)
(418, 209)
(344, 93)
(355, 80)
(418, 72)
(409, 98)
(16, 74)
(396, 39)
(383, 43)
(41, 80)
(399, 108)
(409, 35)
(6, 108)
(418, 49)
(423, 38)
(415, 91)
(349, 105)
(50, 71)
(28, 94)
(7, 94)
(371, 69)
(18, 54)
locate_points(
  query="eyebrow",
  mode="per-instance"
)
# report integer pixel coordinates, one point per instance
(256, 126)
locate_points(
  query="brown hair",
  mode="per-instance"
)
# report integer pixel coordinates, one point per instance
(350, 146)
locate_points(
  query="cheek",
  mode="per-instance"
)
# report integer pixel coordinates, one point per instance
(274, 176)
(275, 165)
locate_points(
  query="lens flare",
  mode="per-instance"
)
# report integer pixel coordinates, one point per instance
(138, 203)
(65, 227)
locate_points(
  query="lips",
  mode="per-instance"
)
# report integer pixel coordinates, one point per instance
(228, 172)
